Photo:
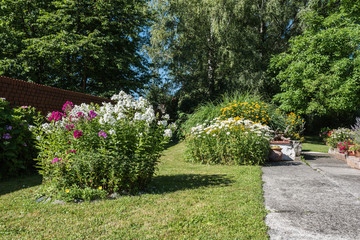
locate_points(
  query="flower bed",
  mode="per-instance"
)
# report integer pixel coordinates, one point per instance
(90, 151)
(234, 140)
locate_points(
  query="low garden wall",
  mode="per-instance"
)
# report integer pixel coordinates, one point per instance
(43, 98)
(352, 161)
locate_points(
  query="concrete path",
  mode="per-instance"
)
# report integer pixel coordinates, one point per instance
(315, 201)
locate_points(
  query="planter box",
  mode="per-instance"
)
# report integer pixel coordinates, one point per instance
(352, 161)
(290, 150)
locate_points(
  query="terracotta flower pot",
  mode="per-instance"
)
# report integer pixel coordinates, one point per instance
(357, 153)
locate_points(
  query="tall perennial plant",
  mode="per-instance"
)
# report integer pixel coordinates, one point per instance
(88, 151)
(229, 141)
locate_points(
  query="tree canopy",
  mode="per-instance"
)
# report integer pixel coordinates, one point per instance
(320, 73)
(89, 46)
(211, 47)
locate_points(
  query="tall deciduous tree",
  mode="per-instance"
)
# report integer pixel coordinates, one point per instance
(320, 73)
(210, 47)
(90, 46)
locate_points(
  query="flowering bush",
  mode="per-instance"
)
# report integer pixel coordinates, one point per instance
(259, 112)
(295, 126)
(230, 141)
(339, 135)
(254, 111)
(324, 133)
(108, 148)
(17, 145)
(344, 146)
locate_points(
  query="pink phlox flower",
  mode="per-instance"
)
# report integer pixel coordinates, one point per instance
(102, 134)
(67, 106)
(73, 151)
(56, 160)
(80, 114)
(69, 142)
(70, 127)
(56, 116)
(92, 114)
(78, 133)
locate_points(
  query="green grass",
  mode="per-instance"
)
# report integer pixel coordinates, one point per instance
(314, 144)
(184, 201)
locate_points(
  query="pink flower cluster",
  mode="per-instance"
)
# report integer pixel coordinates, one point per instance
(102, 134)
(70, 127)
(56, 116)
(56, 160)
(78, 134)
(344, 146)
(92, 114)
(67, 106)
(71, 151)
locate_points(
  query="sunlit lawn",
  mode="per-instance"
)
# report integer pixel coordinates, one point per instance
(314, 144)
(184, 201)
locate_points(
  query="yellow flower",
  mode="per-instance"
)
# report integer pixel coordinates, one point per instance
(67, 190)
(100, 188)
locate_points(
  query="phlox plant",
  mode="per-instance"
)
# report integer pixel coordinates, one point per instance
(108, 148)
(230, 141)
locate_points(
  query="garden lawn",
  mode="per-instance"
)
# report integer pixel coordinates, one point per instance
(314, 144)
(184, 201)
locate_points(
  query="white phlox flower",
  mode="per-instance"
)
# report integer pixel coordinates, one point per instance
(168, 133)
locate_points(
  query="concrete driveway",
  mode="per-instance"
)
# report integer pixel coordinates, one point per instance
(318, 200)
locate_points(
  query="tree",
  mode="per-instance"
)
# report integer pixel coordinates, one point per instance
(90, 46)
(319, 75)
(212, 47)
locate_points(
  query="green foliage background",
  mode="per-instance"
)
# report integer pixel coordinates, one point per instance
(88, 46)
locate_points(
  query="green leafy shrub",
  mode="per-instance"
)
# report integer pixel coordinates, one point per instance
(107, 148)
(17, 145)
(230, 141)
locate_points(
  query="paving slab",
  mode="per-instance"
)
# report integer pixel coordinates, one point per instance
(318, 200)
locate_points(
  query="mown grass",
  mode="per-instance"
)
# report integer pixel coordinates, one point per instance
(314, 144)
(184, 201)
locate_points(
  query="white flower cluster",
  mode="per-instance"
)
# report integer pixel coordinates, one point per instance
(127, 108)
(341, 134)
(216, 126)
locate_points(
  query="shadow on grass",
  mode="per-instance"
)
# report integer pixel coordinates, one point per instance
(173, 183)
(18, 183)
